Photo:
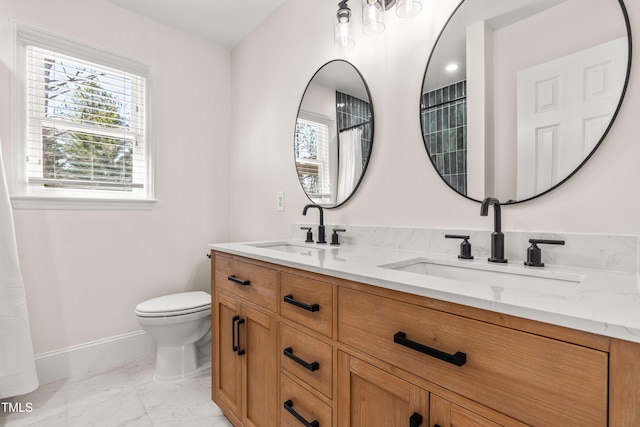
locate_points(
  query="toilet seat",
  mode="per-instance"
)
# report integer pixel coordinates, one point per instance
(174, 304)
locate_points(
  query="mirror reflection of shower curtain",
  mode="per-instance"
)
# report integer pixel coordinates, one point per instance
(350, 163)
(17, 366)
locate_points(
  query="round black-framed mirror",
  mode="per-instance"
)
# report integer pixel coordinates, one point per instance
(499, 124)
(333, 135)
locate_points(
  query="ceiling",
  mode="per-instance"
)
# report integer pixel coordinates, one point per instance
(223, 22)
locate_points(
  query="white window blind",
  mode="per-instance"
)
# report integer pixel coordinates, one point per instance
(85, 122)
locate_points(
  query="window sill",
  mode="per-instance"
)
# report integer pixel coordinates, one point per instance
(87, 204)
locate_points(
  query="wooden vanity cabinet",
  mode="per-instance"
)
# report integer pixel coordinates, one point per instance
(371, 397)
(444, 413)
(326, 352)
(244, 345)
(301, 407)
(307, 350)
(519, 374)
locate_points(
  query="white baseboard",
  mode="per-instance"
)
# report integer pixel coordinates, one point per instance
(81, 359)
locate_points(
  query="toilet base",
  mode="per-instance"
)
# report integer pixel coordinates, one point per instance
(176, 363)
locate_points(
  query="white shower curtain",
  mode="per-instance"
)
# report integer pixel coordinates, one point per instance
(350, 164)
(17, 366)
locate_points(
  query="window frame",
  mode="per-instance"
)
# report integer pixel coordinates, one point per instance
(25, 196)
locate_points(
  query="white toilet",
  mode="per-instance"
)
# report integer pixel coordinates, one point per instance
(179, 323)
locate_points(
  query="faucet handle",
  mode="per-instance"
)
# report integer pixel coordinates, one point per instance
(334, 237)
(309, 234)
(534, 253)
(465, 246)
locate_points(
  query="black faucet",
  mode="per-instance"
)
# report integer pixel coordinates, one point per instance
(321, 234)
(497, 238)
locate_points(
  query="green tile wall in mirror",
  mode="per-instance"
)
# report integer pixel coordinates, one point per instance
(333, 134)
(518, 94)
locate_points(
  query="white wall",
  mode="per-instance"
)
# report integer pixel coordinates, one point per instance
(85, 271)
(401, 188)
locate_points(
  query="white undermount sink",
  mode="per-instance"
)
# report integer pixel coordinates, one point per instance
(288, 247)
(504, 276)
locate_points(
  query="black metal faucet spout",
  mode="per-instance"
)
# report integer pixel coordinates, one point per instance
(497, 238)
(321, 232)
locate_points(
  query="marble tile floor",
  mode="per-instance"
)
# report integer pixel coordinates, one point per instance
(122, 396)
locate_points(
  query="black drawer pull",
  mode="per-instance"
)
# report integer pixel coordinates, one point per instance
(288, 405)
(234, 279)
(313, 366)
(312, 307)
(415, 420)
(239, 351)
(234, 346)
(457, 359)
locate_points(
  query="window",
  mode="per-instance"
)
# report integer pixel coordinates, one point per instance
(312, 155)
(83, 122)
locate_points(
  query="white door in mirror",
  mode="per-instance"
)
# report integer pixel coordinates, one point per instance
(564, 108)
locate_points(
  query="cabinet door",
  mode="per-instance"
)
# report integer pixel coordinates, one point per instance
(440, 411)
(444, 413)
(460, 417)
(246, 368)
(227, 371)
(259, 341)
(370, 397)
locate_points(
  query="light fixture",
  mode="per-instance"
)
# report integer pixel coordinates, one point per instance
(408, 8)
(451, 67)
(343, 31)
(372, 18)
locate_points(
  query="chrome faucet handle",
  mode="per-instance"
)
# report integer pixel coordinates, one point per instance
(465, 246)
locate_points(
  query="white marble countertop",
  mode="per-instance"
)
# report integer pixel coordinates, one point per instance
(600, 301)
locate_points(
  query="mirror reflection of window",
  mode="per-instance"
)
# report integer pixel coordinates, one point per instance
(312, 140)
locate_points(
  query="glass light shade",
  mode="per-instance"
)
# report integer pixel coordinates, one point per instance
(372, 17)
(343, 35)
(408, 8)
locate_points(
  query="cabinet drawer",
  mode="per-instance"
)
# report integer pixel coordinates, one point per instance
(307, 358)
(248, 281)
(537, 380)
(307, 302)
(297, 400)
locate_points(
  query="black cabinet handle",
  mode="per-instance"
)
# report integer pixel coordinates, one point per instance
(457, 359)
(239, 351)
(288, 405)
(312, 307)
(313, 366)
(436, 425)
(234, 346)
(415, 420)
(234, 279)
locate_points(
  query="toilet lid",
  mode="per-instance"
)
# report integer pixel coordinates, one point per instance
(174, 304)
